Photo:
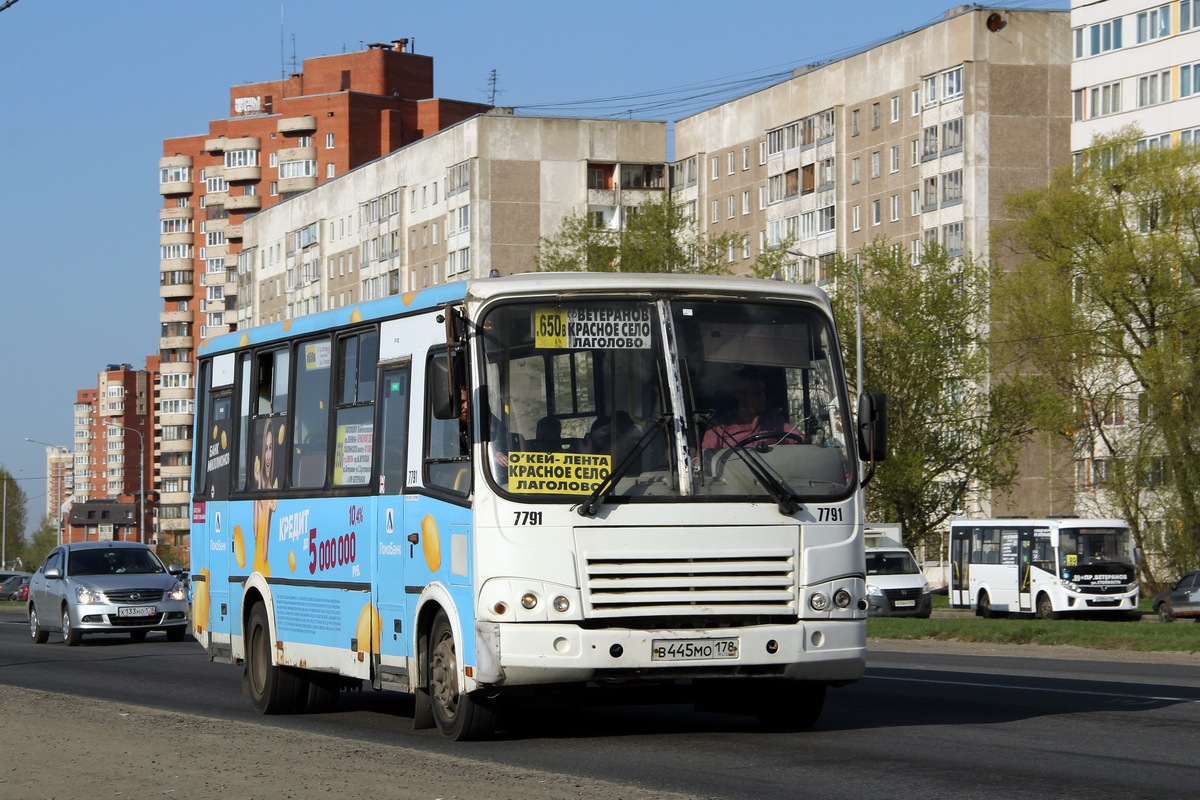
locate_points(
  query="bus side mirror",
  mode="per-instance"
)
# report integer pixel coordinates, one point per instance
(872, 426)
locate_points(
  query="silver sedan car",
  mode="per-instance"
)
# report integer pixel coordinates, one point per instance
(106, 587)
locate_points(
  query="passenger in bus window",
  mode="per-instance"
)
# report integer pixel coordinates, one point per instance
(750, 417)
(549, 436)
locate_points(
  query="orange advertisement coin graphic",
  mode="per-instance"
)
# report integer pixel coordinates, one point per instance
(239, 547)
(431, 544)
(369, 626)
(292, 560)
(200, 602)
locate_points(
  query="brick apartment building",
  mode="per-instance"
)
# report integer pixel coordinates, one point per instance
(279, 138)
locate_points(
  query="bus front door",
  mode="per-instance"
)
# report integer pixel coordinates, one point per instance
(1024, 569)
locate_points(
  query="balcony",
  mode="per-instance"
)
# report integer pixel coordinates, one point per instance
(175, 238)
(175, 175)
(177, 213)
(215, 146)
(297, 125)
(243, 174)
(243, 202)
(234, 232)
(289, 185)
(175, 291)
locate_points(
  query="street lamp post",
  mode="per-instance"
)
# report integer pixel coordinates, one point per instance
(141, 479)
(858, 351)
(64, 450)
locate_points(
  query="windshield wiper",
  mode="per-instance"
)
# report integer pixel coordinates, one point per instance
(787, 502)
(591, 505)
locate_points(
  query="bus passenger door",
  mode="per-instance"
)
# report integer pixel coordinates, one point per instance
(211, 552)
(1024, 569)
(391, 545)
(960, 546)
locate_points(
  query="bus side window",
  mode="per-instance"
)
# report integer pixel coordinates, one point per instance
(311, 414)
(447, 441)
(354, 424)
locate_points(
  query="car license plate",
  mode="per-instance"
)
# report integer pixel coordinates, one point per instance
(693, 649)
(136, 611)
(905, 603)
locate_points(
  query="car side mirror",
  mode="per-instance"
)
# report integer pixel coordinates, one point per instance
(53, 573)
(174, 569)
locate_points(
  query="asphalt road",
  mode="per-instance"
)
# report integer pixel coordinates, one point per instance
(942, 722)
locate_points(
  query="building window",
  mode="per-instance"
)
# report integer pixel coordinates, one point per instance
(174, 174)
(952, 186)
(952, 238)
(876, 215)
(329, 173)
(895, 202)
(1189, 79)
(1154, 24)
(775, 189)
(298, 169)
(895, 166)
(241, 158)
(855, 170)
(916, 202)
(952, 135)
(746, 202)
(1154, 89)
(855, 218)
(854, 122)
(745, 158)
(929, 138)
(732, 204)
(916, 102)
(715, 211)
(1107, 99)
(874, 116)
(896, 109)
(1189, 15)
(329, 141)
(826, 220)
(774, 146)
(716, 168)
(732, 162)
(931, 92)
(931, 193)
(875, 164)
(953, 85)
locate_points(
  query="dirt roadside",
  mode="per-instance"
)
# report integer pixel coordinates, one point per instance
(69, 747)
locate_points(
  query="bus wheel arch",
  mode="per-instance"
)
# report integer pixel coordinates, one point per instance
(1044, 607)
(983, 606)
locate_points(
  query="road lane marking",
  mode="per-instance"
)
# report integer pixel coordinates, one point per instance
(976, 685)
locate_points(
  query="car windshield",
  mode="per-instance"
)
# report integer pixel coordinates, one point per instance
(745, 393)
(898, 563)
(113, 561)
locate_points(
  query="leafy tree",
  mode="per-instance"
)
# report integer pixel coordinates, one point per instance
(13, 514)
(657, 237)
(955, 427)
(44, 539)
(1104, 309)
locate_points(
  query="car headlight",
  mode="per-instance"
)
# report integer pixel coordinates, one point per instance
(87, 596)
(177, 592)
(926, 589)
(874, 591)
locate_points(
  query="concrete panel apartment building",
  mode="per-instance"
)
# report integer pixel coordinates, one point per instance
(916, 139)
(279, 138)
(471, 199)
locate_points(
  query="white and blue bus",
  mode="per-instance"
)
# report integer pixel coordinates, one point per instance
(1046, 567)
(491, 488)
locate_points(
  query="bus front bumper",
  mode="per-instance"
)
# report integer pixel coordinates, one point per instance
(526, 654)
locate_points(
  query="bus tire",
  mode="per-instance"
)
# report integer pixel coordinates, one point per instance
(1045, 608)
(791, 705)
(272, 689)
(319, 691)
(457, 715)
(984, 607)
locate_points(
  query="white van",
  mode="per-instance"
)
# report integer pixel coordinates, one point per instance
(896, 587)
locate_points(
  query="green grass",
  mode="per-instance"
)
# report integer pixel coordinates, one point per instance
(1098, 634)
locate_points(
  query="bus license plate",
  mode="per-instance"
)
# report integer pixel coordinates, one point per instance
(135, 611)
(693, 649)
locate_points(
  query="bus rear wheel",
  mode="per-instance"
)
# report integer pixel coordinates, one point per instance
(458, 715)
(1045, 608)
(272, 689)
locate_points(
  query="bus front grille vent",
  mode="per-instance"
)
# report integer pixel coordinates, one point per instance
(718, 587)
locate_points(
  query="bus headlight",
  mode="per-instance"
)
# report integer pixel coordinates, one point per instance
(819, 601)
(842, 598)
(1071, 585)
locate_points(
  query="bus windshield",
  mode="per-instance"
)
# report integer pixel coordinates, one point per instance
(1092, 546)
(681, 397)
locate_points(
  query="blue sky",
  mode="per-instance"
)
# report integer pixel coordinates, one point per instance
(90, 88)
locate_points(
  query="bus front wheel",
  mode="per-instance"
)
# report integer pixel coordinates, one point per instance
(458, 715)
(1045, 608)
(984, 606)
